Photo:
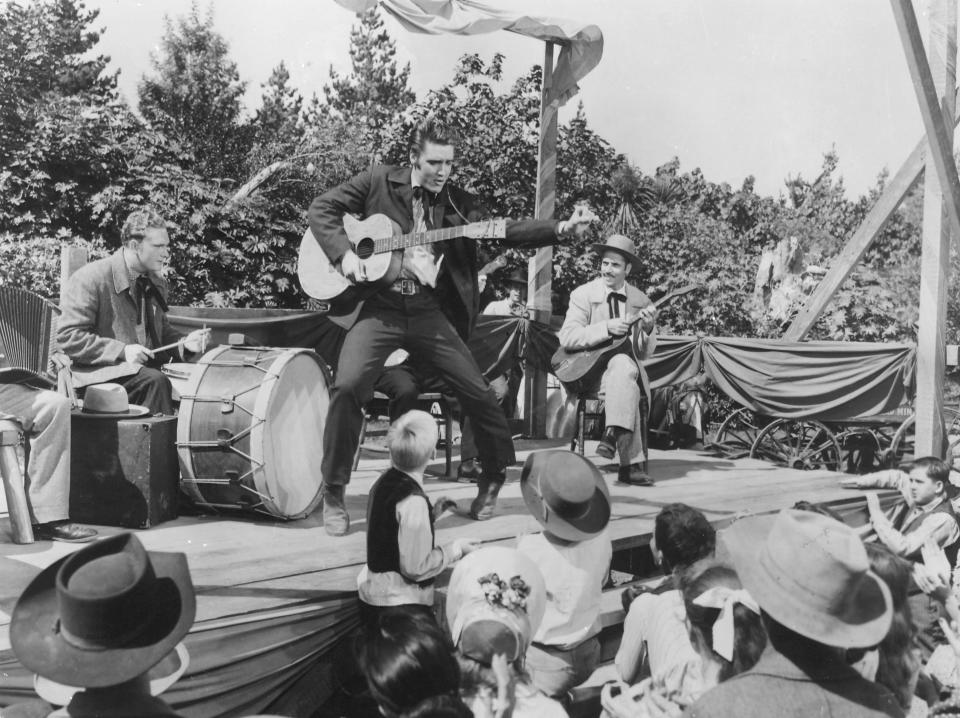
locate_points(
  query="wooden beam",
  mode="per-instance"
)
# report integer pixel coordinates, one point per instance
(928, 98)
(930, 434)
(541, 266)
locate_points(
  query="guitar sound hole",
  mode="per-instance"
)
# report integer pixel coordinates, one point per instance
(364, 248)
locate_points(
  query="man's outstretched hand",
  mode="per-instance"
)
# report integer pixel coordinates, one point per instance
(577, 224)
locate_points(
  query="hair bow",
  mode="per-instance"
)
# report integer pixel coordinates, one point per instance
(725, 599)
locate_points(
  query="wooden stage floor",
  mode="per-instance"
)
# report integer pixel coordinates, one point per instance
(241, 564)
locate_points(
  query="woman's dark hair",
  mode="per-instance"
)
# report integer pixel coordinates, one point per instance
(410, 665)
(683, 536)
(898, 663)
(749, 637)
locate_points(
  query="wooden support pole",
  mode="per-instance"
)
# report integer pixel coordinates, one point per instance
(896, 189)
(931, 437)
(72, 257)
(541, 268)
(941, 145)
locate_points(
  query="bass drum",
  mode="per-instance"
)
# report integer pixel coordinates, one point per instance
(250, 430)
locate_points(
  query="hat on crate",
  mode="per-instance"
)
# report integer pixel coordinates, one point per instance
(566, 494)
(103, 615)
(108, 401)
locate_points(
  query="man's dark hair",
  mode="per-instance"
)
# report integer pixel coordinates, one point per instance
(937, 469)
(432, 130)
(683, 536)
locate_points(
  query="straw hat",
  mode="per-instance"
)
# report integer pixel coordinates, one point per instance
(622, 246)
(104, 614)
(811, 574)
(109, 401)
(495, 603)
(566, 494)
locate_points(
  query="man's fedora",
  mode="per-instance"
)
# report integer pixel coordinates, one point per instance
(811, 573)
(104, 614)
(621, 245)
(566, 494)
(108, 401)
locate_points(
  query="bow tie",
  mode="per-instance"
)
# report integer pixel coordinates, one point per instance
(148, 290)
(614, 305)
(617, 295)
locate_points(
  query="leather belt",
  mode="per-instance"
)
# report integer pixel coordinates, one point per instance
(407, 287)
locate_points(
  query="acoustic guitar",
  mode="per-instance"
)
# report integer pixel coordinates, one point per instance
(379, 244)
(577, 367)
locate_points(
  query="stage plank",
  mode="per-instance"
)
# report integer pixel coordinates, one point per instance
(240, 564)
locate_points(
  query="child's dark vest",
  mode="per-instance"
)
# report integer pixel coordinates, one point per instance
(899, 516)
(383, 547)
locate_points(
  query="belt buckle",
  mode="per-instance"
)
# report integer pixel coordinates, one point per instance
(408, 287)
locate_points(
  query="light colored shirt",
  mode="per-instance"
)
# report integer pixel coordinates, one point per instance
(655, 628)
(419, 560)
(420, 262)
(499, 308)
(574, 574)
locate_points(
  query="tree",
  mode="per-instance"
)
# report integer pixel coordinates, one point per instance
(195, 95)
(277, 122)
(376, 90)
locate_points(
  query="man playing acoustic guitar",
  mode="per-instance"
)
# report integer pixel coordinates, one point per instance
(428, 308)
(600, 312)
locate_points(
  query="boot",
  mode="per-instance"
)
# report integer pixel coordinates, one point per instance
(336, 520)
(634, 474)
(488, 488)
(608, 443)
(468, 472)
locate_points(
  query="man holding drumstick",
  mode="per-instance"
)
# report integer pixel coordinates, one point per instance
(114, 325)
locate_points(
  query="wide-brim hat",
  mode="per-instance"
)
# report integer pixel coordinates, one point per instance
(161, 676)
(484, 621)
(103, 615)
(108, 401)
(811, 573)
(621, 245)
(517, 277)
(566, 494)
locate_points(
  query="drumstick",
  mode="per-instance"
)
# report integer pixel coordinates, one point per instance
(181, 341)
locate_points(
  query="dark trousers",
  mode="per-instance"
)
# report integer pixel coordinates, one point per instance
(151, 388)
(389, 321)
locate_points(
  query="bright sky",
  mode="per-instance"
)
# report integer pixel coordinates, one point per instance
(735, 87)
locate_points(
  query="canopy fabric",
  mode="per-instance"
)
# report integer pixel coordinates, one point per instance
(259, 662)
(581, 44)
(825, 380)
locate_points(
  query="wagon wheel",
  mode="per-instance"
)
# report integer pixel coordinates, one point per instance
(862, 450)
(902, 443)
(798, 444)
(737, 434)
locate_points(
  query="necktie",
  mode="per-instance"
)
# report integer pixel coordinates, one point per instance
(613, 303)
(148, 294)
(423, 201)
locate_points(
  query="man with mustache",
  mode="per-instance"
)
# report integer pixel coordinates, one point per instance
(607, 308)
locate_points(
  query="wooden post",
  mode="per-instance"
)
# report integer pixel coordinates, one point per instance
(72, 257)
(941, 143)
(935, 261)
(541, 269)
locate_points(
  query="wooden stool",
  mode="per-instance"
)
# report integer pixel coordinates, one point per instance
(444, 421)
(19, 511)
(585, 411)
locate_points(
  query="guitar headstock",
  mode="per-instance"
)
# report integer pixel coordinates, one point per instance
(486, 229)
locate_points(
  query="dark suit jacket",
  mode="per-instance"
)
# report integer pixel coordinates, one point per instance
(386, 189)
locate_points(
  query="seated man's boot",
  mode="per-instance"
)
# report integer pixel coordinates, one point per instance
(468, 472)
(634, 474)
(608, 443)
(488, 488)
(336, 520)
(63, 531)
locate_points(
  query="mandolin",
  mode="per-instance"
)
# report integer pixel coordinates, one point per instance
(578, 367)
(379, 244)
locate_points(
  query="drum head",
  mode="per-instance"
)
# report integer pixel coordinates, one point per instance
(292, 436)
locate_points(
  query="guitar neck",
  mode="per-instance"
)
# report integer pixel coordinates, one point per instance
(490, 229)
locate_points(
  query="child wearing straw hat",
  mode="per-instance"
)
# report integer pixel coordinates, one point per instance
(570, 500)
